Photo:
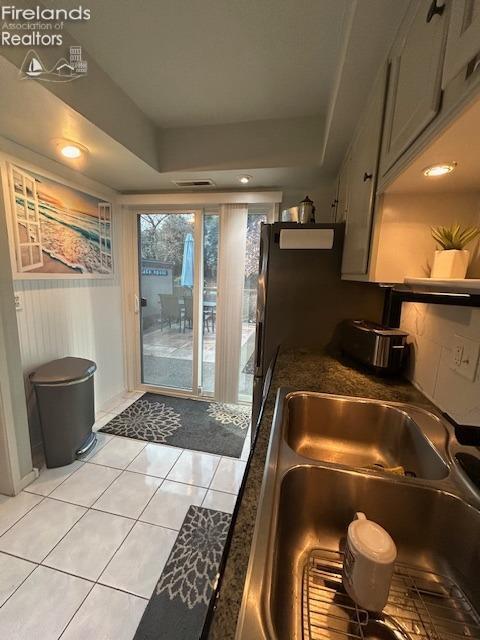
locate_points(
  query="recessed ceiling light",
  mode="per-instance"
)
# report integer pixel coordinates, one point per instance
(442, 169)
(245, 179)
(70, 149)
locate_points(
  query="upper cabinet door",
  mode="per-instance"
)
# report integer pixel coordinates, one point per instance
(463, 42)
(416, 79)
(342, 194)
(360, 171)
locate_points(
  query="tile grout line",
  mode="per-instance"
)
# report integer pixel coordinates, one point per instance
(136, 520)
(111, 440)
(92, 508)
(81, 518)
(78, 608)
(87, 509)
(70, 475)
(157, 489)
(121, 515)
(83, 462)
(24, 580)
(65, 534)
(42, 498)
(94, 584)
(99, 496)
(76, 575)
(211, 480)
(151, 498)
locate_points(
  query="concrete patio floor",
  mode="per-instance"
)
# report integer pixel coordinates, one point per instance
(167, 358)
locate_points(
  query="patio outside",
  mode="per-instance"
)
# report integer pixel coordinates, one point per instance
(168, 357)
(167, 301)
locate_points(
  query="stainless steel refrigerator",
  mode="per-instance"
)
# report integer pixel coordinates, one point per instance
(301, 299)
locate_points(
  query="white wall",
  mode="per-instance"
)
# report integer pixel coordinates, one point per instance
(431, 329)
(403, 240)
(77, 318)
(73, 317)
(406, 248)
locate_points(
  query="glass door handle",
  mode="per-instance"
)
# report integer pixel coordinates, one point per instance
(259, 345)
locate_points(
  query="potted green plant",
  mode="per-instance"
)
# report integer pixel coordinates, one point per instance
(451, 261)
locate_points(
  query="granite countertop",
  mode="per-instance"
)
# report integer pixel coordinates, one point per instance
(306, 370)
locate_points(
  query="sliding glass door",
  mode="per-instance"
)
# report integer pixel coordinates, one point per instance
(197, 301)
(210, 245)
(168, 285)
(249, 306)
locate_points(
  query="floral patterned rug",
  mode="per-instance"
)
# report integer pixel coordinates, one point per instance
(213, 427)
(179, 603)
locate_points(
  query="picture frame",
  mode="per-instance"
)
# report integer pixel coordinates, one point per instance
(57, 229)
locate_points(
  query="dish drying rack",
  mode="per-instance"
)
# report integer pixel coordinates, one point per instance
(422, 605)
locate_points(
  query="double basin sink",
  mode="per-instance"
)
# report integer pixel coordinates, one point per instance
(331, 456)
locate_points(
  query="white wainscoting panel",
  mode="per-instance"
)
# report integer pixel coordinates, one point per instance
(80, 318)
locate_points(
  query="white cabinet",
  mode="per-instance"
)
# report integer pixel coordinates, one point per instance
(342, 192)
(415, 86)
(361, 169)
(463, 42)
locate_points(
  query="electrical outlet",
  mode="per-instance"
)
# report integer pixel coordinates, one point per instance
(457, 354)
(465, 354)
(18, 301)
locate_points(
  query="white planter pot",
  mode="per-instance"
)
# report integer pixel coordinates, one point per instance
(452, 263)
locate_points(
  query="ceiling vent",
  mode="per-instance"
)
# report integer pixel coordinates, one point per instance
(194, 183)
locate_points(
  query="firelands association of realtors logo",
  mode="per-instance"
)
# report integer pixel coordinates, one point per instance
(42, 27)
(62, 71)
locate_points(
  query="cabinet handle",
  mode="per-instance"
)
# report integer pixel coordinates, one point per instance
(435, 10)
(367, 176)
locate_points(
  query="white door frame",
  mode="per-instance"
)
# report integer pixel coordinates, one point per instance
(198, 278)
(16, 470)
(131, 290)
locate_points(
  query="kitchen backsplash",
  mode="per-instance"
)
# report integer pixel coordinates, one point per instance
(432, 329)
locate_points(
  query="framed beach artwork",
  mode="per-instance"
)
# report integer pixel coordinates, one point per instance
(58, 230)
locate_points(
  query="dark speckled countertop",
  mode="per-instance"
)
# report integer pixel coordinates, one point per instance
(305, 370)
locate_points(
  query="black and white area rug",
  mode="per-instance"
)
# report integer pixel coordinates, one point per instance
(179, 603)
(213, 427)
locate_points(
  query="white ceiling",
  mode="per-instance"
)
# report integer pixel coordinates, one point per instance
(222, 87)
(23, 106)
(191, 63)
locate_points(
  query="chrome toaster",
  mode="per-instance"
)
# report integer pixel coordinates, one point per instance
(380, 348)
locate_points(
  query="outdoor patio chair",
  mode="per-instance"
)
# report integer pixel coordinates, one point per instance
(187, 312)
(209, 317)
(170, 310)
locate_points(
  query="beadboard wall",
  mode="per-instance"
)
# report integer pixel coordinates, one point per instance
(431, 329)
(74, 317)
(80, 318)
(77, 318)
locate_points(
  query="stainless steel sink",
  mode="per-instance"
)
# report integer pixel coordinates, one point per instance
(360, 433)
(418, 518)
(307, 503)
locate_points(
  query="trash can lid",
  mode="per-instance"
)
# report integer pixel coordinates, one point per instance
(63, 371)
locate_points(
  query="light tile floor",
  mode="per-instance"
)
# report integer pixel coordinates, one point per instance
(96, 534)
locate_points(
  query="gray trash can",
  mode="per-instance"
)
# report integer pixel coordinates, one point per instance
(66, 405)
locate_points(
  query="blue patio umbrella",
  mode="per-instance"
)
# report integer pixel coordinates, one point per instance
(187, 263)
